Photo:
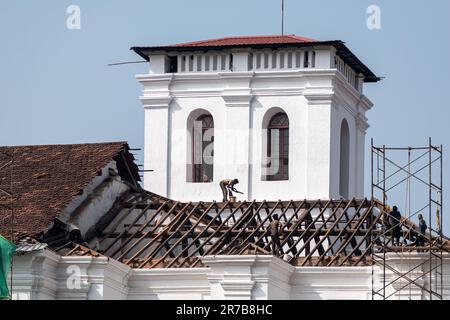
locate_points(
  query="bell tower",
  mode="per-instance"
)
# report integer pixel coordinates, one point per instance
(286, 115)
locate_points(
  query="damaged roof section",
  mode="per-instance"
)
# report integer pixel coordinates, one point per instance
(84, 200)
(155, 232)
(46, 179)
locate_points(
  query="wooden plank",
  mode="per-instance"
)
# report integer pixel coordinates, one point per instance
(346, 232)
(161, 233)
(217, 231)
(268, 216)
(168, 213)
(165, 242)
(244, 228)
(349, 233)
(125, 230)
(122, 217)
(184, 237)
(226, 205)
(308, 227)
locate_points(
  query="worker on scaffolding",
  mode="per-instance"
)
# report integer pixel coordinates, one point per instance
(395, 226)
(227, 186)
(420, 239)
(275, 233)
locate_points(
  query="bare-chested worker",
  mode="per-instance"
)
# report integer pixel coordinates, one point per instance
(275, 233)
(227, 186)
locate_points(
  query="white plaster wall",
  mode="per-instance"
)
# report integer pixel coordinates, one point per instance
(360, 160)
(100, 202)
(43, 275)
(318, 169)
(179, 188)
(35, 276)
(331, 283)
(296, 109)
(315, 101)
(102, 278)
(97, 198)
(348, 104)
(169, 284)
(339, 113)
(156, 149)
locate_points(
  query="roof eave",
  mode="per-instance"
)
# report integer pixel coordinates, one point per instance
(343, 51)
(140, 53)
(146, 50)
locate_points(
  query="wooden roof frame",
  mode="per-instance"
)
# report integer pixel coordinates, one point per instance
(312, 233)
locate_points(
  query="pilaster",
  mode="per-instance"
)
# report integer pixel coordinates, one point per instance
(237, 97)
(319, 142)
(248, 277)
(156, 99)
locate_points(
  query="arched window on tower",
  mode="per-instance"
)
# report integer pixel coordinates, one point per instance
(203, 149)
(278, 148)
(344, 171)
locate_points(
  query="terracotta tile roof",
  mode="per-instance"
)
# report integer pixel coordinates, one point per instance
(47, 177)
(247, 40)
(261, 42)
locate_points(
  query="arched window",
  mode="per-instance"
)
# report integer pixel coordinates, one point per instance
(278, 148)
(344, 160)
(203, 149)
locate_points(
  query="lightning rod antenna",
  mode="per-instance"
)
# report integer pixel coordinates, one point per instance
(282, 17)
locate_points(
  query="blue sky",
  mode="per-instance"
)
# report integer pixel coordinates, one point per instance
(56, 87)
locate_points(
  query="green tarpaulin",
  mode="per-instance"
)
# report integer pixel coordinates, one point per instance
(6, 252)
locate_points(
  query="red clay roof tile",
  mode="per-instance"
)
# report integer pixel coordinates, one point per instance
(244, 40)
(46, 178)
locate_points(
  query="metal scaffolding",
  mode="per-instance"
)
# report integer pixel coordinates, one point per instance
(420, 254)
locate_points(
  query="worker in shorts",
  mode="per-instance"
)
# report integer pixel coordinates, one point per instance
(395, 226)
(275, 233)
(227, 187)
(420, 240)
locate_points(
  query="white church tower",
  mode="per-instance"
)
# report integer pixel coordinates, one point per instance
(283, 114)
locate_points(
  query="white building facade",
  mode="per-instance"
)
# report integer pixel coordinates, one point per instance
(239, 101)
(319, 149)
(44, 275)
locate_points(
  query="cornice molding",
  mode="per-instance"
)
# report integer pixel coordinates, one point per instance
(362, 124)
(221, 75)
(165, 77)
(318, 96)
(346, 89)
(156, 102)
(235, 99)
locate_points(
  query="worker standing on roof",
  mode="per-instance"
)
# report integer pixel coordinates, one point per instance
(227, 186)
(422, 229)
(394, 220)
(275, 233)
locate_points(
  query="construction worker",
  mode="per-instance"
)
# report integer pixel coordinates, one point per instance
(422, 229)
(394, 220)
(275, 233)
(227, 186)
